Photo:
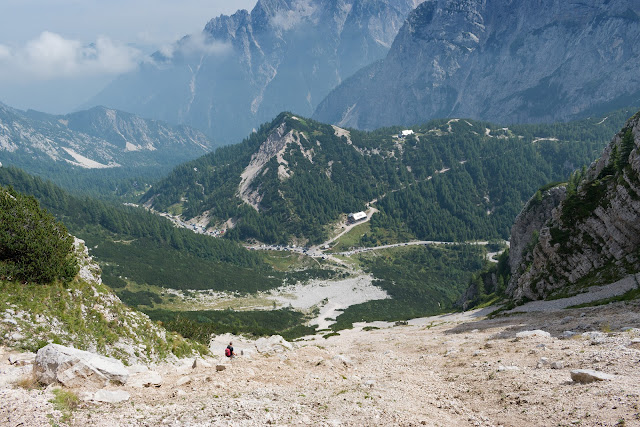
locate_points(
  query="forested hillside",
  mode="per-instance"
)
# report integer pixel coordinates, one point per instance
(450, 180)
(144, 248)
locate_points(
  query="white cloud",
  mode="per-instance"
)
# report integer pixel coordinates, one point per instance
(289, 19)
(4, 52)
(197, 44)
(51, 56)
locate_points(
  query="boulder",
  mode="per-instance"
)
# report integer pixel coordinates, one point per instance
(77, 368)
(272, 344)
(536, 333)
(221, 367)
(199, 363)
(179, 393)
(22, 359)
(595, 337)
(586, 376)
(343, 359)
(557, 365)
(111, 396)
(145, 379)
(183, 381)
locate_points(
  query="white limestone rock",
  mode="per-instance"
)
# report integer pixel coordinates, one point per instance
(586, 376)
(536, 333)
(145, 379)
(343, 359)
(272, 344)
(111, 396)
(200, 363)
(71, 367)
(22, 359)
(502, 368)
(183, 381)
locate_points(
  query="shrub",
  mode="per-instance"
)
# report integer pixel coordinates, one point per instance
(33, 245)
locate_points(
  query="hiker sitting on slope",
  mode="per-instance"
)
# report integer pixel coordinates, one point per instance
(229, 350)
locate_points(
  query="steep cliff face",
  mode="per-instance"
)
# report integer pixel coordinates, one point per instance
(592, 236)
(505, 61)
(527, 225)
(244, 69)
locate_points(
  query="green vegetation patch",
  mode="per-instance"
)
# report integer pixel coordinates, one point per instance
(201, 325)
(147, 248)
(79, 310)
(34, 247)
(145, 261)
(421, 281)
(351, 239)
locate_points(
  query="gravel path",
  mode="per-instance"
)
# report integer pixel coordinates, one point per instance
(595, 293)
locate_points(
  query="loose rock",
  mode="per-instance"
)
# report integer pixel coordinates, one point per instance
(108, 396)
(586, 376)
(535, 333)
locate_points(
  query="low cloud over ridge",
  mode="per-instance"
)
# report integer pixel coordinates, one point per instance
(51, 56)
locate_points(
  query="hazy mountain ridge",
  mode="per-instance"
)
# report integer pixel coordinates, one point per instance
(244, 69)
(505, 62)
(99, 138)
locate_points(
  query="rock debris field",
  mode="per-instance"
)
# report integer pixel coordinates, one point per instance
(462, 370)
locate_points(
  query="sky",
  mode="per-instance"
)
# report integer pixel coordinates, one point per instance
(56, 54)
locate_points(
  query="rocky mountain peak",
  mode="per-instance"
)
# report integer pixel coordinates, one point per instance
(244, 69)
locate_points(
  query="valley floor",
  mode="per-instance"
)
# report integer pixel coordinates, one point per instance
(460, 369)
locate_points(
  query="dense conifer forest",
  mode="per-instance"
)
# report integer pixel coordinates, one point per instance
(451, 180)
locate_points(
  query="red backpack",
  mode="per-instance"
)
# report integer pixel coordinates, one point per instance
(227, 352)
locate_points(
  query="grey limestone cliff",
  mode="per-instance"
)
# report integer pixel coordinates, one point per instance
(592, 236)
(504, 61)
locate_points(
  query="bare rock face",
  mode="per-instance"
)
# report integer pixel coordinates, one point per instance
(592, 237)
(77, 368)
(535, 214)
(502, 61)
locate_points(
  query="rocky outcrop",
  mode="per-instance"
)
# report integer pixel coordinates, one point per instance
(505, 61)
(592, 237)
(77, 368)
(244, 69)
(272, 344)
(94, 319)
(527, 225)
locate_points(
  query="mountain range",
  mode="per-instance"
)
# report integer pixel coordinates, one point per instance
(503, 61)
(244, 69)
(95, 139)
